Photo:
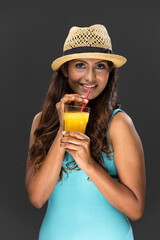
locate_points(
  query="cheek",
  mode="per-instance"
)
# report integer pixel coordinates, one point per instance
(104, 80)
(72, 73)
(74, 78)
(73, 81)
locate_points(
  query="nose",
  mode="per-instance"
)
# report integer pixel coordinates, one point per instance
(90, 75)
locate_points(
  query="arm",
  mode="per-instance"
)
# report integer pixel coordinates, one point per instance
(40, 186)
(128, 195)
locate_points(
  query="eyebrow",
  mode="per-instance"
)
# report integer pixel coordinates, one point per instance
(76, 60)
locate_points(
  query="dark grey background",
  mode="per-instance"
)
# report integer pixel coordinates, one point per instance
(31, 36)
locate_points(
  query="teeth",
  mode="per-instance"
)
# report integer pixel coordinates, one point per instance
(89, 86)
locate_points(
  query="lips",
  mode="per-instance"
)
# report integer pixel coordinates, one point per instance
(85, 86)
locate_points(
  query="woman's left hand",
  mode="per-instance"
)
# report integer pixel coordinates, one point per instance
(78, 145)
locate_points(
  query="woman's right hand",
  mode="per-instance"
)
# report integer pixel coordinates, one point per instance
(66, 100)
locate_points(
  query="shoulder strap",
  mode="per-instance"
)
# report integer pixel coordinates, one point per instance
(114, 112)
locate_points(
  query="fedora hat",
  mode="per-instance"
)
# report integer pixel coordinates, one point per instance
(88, 42)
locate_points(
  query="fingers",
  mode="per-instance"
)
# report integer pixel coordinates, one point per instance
(73, 97)
(74, 140)
(70, 98)
(70, 146)
(73, 143)
(76, 135)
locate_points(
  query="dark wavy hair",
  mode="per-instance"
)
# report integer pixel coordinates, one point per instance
(103, 105)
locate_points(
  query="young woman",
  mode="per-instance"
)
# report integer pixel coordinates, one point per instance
(94, 182)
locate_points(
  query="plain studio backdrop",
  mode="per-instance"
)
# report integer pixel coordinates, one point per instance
(32, 35)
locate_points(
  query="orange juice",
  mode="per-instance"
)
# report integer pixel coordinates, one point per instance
(75, 121)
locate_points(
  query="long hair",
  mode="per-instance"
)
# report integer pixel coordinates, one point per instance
(103, 105)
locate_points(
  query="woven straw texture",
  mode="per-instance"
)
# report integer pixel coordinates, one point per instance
(93, 36)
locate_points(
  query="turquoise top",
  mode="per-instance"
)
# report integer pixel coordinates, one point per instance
(77, 210)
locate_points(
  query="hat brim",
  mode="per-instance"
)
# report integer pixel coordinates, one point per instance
(117, 60)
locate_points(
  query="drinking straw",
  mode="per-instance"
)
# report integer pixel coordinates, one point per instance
(85, 98)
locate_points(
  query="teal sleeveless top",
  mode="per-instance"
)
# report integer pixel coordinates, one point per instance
(77, 210)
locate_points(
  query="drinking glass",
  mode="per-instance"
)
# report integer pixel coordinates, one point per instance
(74, 119)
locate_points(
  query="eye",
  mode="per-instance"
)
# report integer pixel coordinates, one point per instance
(101, 66)
(79, 65)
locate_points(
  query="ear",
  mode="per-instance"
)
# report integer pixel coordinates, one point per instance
(65, 72)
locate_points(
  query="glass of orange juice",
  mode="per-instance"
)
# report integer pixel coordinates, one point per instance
(74, 119)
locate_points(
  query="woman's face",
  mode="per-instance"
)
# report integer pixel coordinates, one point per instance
(85, 73)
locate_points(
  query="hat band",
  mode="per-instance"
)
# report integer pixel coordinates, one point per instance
(87, 49)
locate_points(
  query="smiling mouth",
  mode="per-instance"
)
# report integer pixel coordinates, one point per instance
(85, 87)
(88, 86)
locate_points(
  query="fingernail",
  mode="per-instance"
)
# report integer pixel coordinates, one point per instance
(64, 132)
(83, 96)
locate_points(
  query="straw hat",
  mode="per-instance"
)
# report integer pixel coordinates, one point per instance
(88, 42)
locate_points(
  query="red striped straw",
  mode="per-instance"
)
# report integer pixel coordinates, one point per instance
(85, 98)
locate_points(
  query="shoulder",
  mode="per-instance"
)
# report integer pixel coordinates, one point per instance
(37, 118)
(34, 125)
(121, 125)
(121, 119)
(124, 139)
(36, 121)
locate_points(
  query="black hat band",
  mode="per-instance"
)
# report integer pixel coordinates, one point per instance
(87, 49)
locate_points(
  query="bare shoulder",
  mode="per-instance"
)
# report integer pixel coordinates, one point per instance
(121, 118)
(36, 121)
(120, 124)
(124, 137)
(34, 125)
(37, 117)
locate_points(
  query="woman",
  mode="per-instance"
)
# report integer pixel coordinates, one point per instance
(95, 181)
